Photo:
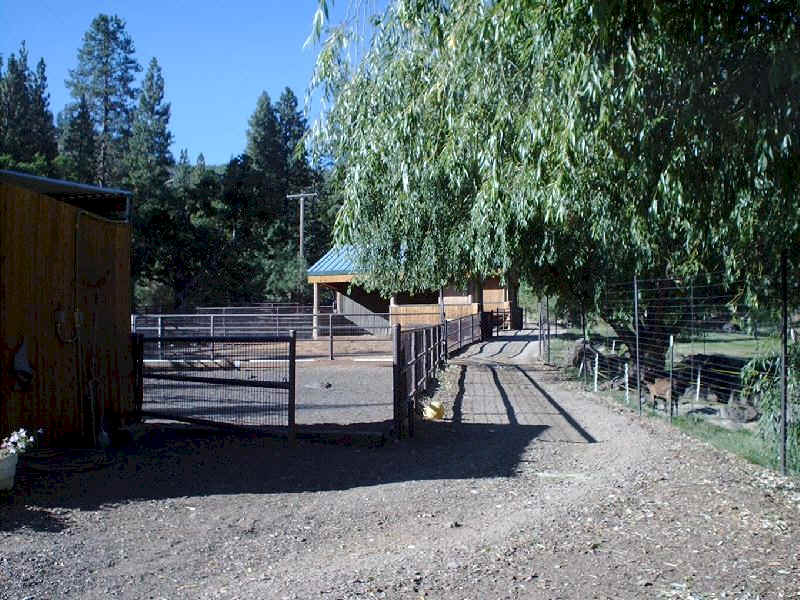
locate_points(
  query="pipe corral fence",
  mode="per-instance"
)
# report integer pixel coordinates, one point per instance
(251, 381)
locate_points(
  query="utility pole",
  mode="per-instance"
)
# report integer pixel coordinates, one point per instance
(302, 198)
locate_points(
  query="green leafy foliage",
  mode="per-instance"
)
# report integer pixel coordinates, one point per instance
(761, 379)
(573, 143)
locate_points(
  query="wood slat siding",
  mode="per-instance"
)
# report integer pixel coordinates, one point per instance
(412, 315)
(37, 253)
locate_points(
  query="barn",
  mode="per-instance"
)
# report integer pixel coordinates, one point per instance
(336, 270)
(66, 361)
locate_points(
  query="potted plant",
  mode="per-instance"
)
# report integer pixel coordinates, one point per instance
(14, 445)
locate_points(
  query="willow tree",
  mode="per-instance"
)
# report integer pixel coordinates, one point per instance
(575, 143)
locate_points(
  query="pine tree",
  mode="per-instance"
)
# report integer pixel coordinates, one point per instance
(148, 163)
(41, 128)
(27, 132)
(149, 159)
(293, 127)
(78, 157)
(15, 108)
(105, 75)
(264, 145)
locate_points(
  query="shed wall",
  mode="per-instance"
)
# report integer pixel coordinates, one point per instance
(37, 283)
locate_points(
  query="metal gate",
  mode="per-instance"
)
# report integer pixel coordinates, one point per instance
(228, 381)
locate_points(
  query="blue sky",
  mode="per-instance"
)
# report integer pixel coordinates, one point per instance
(217, 57)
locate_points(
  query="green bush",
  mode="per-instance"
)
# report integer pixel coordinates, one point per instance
(761, 379)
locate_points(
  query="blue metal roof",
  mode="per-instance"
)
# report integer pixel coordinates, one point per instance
(337, 261)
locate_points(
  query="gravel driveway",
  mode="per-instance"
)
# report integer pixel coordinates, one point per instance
(530, 489)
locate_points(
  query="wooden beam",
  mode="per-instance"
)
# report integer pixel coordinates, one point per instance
(330, 278)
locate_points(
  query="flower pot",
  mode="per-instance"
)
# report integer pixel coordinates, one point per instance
(8, 468)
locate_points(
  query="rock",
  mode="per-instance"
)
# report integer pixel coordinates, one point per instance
(738, 413)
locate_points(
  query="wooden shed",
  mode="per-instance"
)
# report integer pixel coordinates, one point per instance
(66, 362)
(336, 270)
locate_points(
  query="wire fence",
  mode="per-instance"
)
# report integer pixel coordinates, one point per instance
(687, 349)
(221, 381)
(308, 325)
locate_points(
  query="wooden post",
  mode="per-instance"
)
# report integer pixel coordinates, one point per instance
(446, 341)
(413, 363)
(636, 322)
(397, 381)
(627, 395)
(671, 361)
(541, 342)
(413, 399)
(583, 352)
(596, 364)
(330, 336)
(547, 313)
(211, 331)
(160, 335)
(292, 386)
(784, 379)
(459, 333)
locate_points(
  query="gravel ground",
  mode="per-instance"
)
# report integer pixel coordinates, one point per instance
(530, 489)
(345, 392)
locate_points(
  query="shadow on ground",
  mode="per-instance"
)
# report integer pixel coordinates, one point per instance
(170, 460)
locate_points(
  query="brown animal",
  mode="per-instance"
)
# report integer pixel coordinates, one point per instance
(661, 388)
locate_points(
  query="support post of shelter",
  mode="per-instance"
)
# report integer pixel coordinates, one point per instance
(315, 320)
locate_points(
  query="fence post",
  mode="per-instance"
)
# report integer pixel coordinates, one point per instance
(211, 329)
(671, 361)
(412, 401)
(697, 391)
(446, 336)
(137, 341)
(397, 380)
(471, 327)
(541, 343)
(596, 364)
(636, 322)
(330, 336)
(583, 352)
(292, 385)
(547, 313)
(459, 333)
(160, 335)
(784, 380)
(413, 363)
(627, 395)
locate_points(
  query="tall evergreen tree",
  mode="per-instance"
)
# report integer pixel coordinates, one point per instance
(78, 152)
(41, 128)
(27, 132)
(15, 107)
(264, 145)
(149, 158)
(105, 75)
(293, 127)
(148, 163)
